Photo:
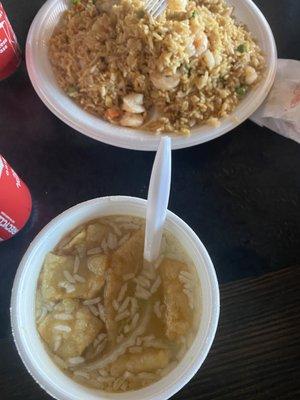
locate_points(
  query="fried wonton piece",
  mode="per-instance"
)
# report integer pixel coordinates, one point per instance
(178, 314)
(148, 361)
(127, 259)
(69, 328)
(78, 239)
(95, 234)
(55, 284)
(98, 264)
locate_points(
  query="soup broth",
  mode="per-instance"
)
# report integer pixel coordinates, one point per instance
(108, 319)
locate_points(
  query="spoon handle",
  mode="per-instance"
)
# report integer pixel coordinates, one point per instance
(158, 199)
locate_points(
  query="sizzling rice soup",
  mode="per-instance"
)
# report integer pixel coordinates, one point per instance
(108, 319)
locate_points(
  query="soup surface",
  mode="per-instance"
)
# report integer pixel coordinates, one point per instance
(108, 319)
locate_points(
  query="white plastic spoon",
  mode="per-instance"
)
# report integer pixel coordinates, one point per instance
(158, 198)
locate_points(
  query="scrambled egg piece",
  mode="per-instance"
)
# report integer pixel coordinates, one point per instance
(56, 286)
(178, 314)
(177, 5)
(69, 328)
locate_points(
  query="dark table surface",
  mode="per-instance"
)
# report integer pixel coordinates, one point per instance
(240, 193)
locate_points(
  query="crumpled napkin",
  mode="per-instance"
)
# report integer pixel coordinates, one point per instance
(281, 110)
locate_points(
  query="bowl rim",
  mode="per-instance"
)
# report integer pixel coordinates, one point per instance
(213, 298)
(143, 143)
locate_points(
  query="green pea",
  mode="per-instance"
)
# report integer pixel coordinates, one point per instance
(72, 91)
(242, 48)
(241, 91)
(140, 13)
(187, 69)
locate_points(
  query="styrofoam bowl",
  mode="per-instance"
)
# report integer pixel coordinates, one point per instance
(43, 80)
(29, 344)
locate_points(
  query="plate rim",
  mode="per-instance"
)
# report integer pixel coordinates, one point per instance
(142, 144)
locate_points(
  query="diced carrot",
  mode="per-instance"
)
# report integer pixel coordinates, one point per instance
(112, 113)
(197, 42)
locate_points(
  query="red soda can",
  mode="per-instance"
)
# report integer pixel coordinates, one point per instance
(15, 201)
(10, 55)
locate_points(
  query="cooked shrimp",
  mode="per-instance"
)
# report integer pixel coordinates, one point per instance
(197, 45)
(250, 75)
(200, 43)
(133, 103)
(132, 120)
(218, 58)
(164, 82)
(209, 59)
(190, 48)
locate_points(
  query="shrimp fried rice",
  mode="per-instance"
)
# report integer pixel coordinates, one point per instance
(191, 66)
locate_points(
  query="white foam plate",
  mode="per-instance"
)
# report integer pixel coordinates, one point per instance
(63, 107)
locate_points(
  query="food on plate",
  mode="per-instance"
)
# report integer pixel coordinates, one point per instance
(108, 319)
(192, 65)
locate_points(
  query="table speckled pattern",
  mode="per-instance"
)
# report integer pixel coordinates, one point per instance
(240, 193)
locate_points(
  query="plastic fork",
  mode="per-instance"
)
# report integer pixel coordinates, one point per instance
(155, 7)
(158, 199)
